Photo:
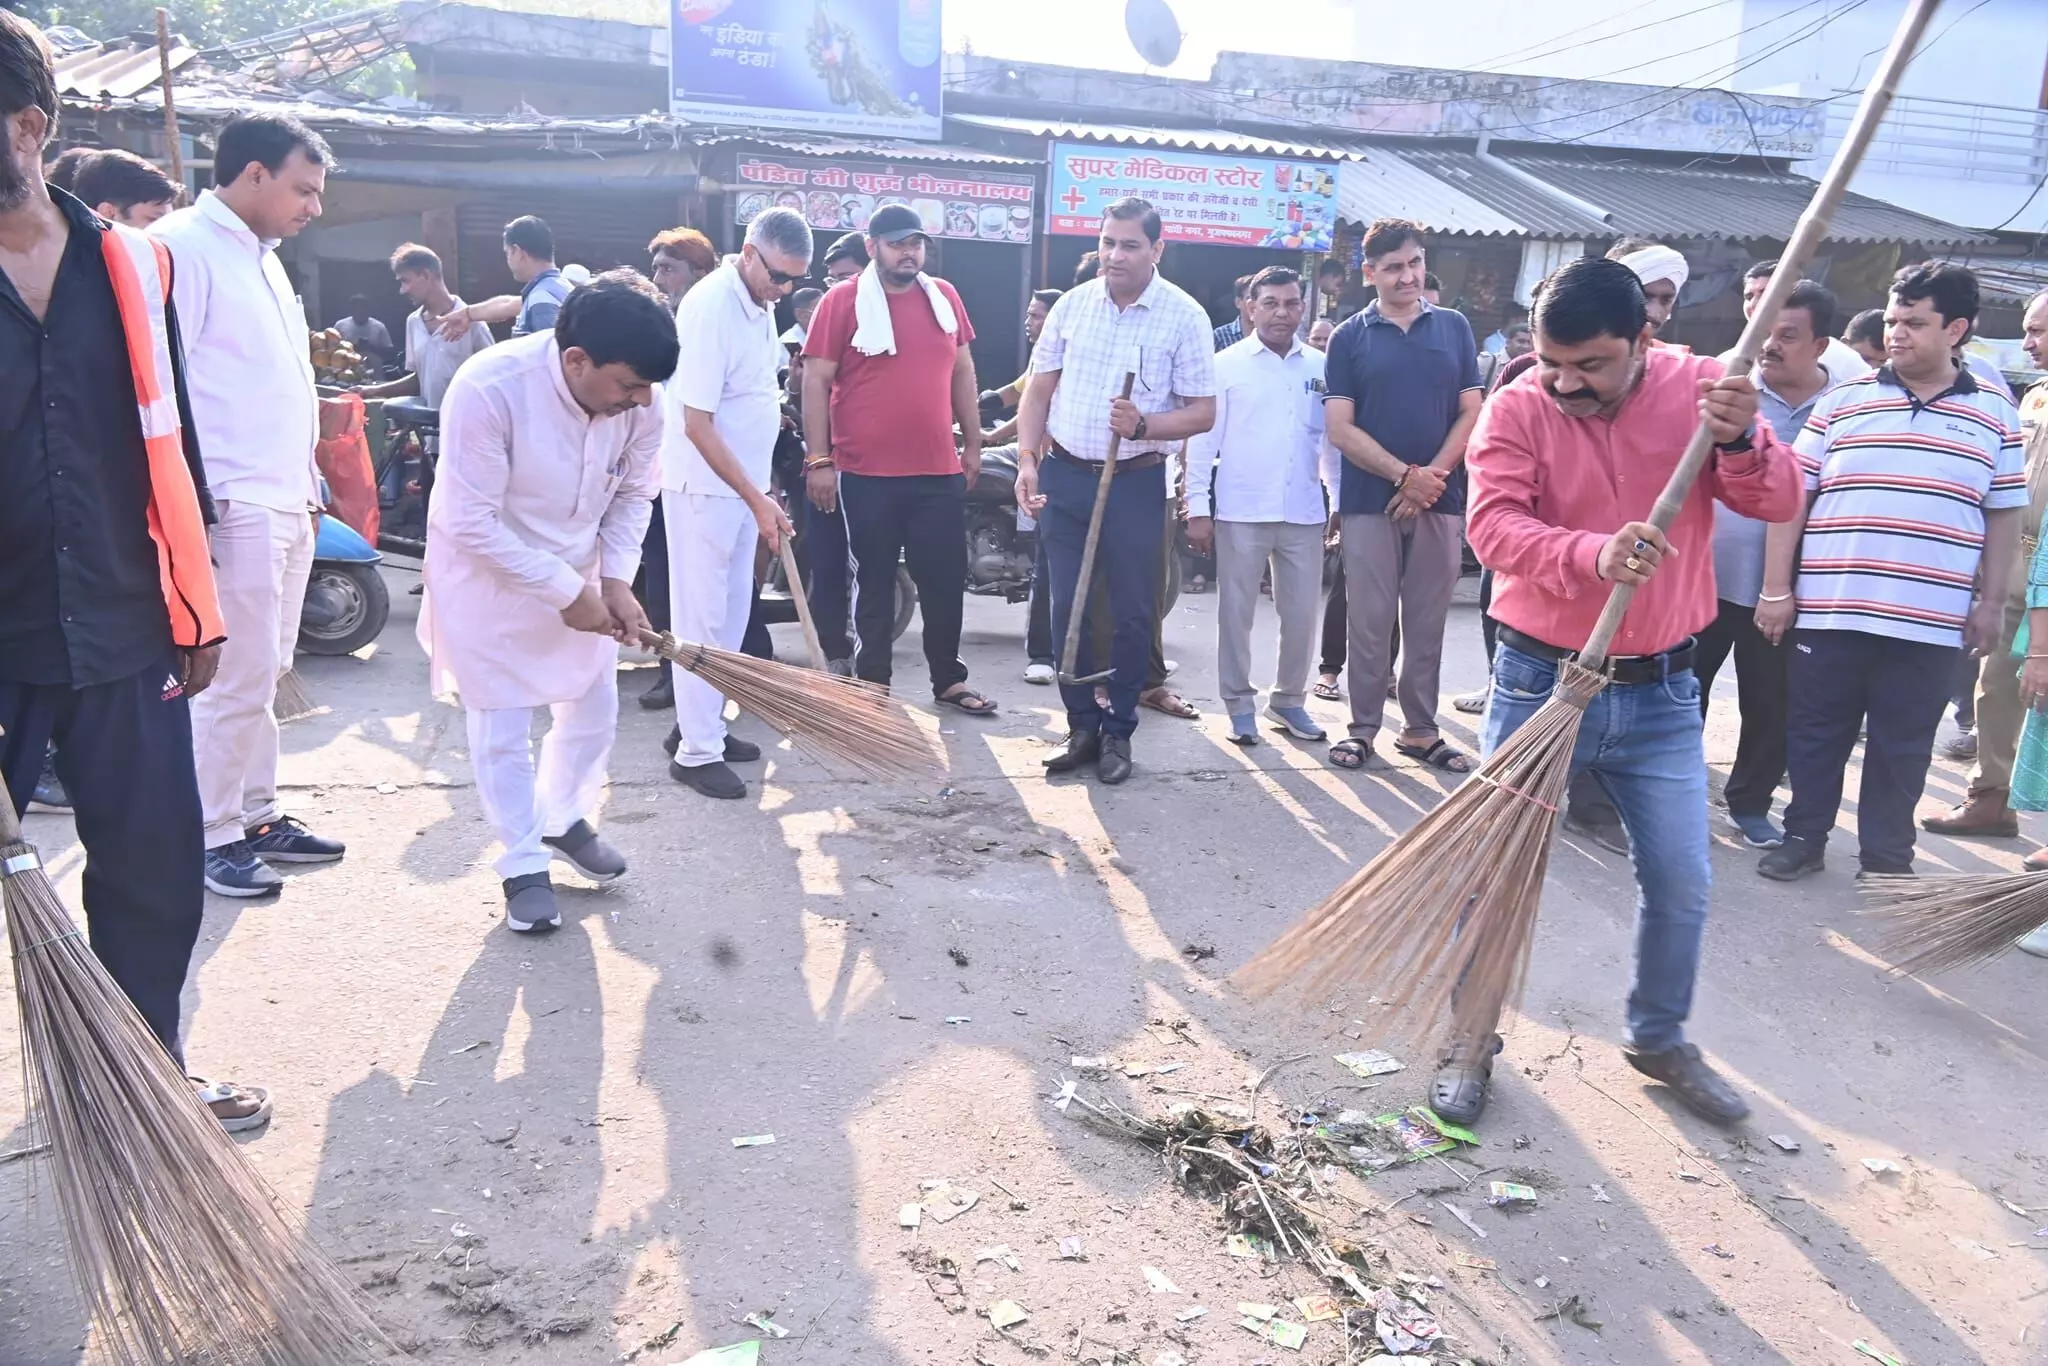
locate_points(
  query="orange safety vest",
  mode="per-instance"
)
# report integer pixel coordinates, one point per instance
(141, 271)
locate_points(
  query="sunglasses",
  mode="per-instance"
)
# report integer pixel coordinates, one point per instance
(779, 278)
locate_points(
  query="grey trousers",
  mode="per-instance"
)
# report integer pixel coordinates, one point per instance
(1403, 570)
(1243, 549)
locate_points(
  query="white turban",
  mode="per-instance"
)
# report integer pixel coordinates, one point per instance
(1657, 263)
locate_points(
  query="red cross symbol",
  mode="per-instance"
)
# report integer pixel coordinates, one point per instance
(1073, 199)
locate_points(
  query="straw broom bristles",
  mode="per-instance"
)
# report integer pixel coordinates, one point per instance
(181, 1251)
(1952, 922)
(293, 700)
(841, 717)
(1477, 862)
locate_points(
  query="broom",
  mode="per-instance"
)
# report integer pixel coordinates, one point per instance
(1954, 922)
(182, 1253)
(293, 700)
(1442, 921)
(844, 718)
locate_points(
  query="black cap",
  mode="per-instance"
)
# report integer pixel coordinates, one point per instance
(894, 222)
(852, 246)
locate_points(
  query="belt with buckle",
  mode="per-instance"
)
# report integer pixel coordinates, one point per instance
(1143, 460)
(1620, 668)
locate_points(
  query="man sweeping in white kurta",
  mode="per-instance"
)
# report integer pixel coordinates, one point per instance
(546, 483)
(724, 411)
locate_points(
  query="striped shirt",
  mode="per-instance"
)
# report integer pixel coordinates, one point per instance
(1164, 337)
(1896, 530)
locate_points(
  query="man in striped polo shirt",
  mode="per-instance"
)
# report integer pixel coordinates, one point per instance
(1917, 483)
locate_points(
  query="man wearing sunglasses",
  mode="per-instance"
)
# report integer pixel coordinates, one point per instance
(723, 411)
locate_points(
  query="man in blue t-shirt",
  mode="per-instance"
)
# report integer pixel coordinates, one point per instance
(1404, 391)
(530, 256)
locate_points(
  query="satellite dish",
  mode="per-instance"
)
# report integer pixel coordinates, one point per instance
(1153, 30)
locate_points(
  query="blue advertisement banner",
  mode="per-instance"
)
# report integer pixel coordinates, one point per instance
(839, 66)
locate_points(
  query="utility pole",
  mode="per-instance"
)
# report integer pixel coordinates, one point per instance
(163, 57)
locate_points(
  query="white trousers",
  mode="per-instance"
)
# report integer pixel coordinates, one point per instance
(521, 805)
(262, 558)
(711, 542)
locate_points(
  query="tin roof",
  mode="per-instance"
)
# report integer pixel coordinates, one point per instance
(1187, 139)
(1540, 214)
(1646, 199)
(1378, 182)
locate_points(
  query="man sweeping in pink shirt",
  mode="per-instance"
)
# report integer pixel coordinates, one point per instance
(1566, 464)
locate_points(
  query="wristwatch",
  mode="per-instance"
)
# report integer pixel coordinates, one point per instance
(1741, 445)
(1143, 423)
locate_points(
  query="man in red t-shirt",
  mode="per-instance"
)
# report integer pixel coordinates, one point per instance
(886, 375)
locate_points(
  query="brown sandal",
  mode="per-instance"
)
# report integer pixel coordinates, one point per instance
(1163, 699)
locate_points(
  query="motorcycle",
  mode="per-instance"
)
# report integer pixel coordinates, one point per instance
(1002, 540)
(347, 604)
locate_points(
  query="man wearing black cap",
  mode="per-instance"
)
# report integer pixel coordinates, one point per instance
(887, 374)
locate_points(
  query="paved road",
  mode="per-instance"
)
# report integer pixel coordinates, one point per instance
(525, 1147)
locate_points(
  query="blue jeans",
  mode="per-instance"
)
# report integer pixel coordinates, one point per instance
(1641, 744)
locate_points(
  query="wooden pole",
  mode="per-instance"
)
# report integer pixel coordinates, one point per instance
(172, 151)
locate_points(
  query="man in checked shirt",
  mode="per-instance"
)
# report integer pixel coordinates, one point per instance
(1126, 320)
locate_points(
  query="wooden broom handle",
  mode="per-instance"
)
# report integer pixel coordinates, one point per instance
(10, 824)
(1813, 225)
(803, 602)
(1084, 581)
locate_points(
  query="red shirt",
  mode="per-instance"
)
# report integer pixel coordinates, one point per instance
(1549, 490)
(892, 415)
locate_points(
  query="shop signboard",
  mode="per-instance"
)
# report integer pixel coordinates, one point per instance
(1239, 201)
(959, 202)
(840, 66)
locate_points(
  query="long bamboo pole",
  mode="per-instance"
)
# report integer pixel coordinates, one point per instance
(172, 150)
(1813, 226)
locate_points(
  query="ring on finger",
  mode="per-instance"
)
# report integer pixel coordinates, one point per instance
(1633, 564)
(1641, 546)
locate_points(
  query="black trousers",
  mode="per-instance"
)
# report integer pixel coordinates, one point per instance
(821, 555)
(1128, 562)
(1896, 690)
(921, 521)
(1761, 693)
(124, 753)
(653, 584)
(1038, 642)
(1336, 627)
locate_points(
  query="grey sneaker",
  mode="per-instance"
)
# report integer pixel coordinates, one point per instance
(530, 904)
(234, 870)
(583, 849)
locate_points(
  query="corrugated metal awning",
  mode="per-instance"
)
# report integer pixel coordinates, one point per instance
(117, 70)
(1379, 183)
(1188, 139)
(1645, 199)
(1539, 213)
(2008, 280)
(881, 149)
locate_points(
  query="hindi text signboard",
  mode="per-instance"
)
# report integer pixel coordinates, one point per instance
(1241, 201)
(843, 66)
(958, 202)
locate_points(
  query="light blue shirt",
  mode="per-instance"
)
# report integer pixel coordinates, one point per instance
(1739, 540)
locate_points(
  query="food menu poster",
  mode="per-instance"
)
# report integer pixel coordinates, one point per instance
(841, 196)
(1201, 197)
(840, 66)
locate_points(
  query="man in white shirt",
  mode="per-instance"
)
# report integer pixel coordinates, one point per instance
(431, 360)
(251, 379)
(549, 449)
(724, 409)
(1128, 320)
(1268, 502)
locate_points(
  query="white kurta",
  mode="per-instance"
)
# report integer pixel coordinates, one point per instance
(533, 499)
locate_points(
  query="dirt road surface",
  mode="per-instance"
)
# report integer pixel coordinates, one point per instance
(524, 1148)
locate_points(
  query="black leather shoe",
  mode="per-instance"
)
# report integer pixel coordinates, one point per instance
(1693, 1080)
(660, 697)
(1794, 859)
(1113, 762)
(738, 751)
(673, 741)
(1082, 748)
(713, 780)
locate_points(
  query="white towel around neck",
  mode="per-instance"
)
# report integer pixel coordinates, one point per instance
(874, 334)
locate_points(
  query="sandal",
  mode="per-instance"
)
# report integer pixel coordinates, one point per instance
(1458, 1092)
(1436, 754)
(1326, 688)
(1351, 754)
(1166, 700)
(2036, 862)
(236, 1107)
(968, 700)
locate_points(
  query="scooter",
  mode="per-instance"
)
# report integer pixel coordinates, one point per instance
(347, 603)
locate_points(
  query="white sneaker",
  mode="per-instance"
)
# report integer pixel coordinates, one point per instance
(1040, 673)
(2035, 943)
